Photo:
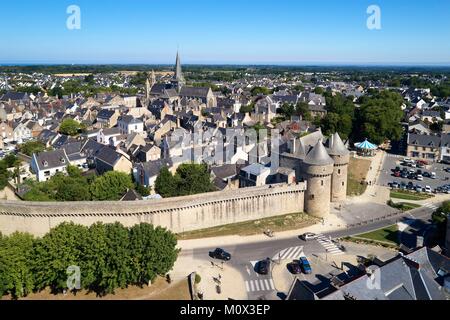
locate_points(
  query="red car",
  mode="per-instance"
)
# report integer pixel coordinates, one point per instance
(397, 174)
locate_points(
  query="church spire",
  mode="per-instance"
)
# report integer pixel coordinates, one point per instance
(178, 79)
(178, 73)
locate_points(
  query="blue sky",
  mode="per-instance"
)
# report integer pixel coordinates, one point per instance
(226, 31)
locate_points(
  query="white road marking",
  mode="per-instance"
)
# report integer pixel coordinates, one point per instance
(257, 285)
(247, 287)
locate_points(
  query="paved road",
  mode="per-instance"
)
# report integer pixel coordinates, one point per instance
(245, 256)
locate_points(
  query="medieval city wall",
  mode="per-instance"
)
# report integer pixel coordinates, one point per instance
(177, 214)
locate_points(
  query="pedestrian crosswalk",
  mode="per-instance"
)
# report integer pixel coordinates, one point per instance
(329, 245)
(259, 285)
(289, 253)
(431, 206)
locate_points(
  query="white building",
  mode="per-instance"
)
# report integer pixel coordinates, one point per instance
(129, 124)
(47, 164)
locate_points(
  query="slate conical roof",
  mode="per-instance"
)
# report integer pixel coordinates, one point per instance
(318, 156)
(178, 73)
(337, 147)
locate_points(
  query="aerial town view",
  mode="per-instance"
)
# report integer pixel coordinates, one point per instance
(224, 151)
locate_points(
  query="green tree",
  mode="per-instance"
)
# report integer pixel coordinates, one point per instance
(111, 186)
(379, 118)
(153, 250)
(165, 184)
(70, 127)
(59, 249)
(16, 255)
(302, 109)
(193, 179)
(31, 147)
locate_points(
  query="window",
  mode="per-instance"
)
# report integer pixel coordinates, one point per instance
(339, 171)
(321, 183)
(343, 183)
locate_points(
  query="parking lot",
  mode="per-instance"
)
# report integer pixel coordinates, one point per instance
(391, 162)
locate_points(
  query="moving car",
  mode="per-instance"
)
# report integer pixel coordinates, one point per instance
(264, 266)
(220, 254)
(308, 236)
(304, 263)
(294, 267)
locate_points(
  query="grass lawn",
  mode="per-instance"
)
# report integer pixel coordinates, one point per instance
(357, 173)
(279, 223)
(405, 195)
(389, 234)
(404, 206)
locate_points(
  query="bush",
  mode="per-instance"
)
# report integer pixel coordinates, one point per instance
(197, 278)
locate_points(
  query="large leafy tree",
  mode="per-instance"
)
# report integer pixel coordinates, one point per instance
(165, 183)
(380, 116)
(111, 186)
(70, 127)
(193, 179)
(153, 252)
(31, 147)
(59, 249)
(16, 255)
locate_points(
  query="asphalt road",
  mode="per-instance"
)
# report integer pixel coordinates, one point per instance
(245, 256)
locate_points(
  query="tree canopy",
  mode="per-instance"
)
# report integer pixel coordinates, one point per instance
(31, 147)
(189, 179)
(111, 186)
(70, 127)
(109, 256)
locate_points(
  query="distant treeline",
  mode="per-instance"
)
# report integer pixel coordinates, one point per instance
(263, 69)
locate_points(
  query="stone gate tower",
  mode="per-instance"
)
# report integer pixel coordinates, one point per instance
(318, 169)
(341, 158)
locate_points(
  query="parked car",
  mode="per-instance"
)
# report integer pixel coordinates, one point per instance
(447, 169)
(397, 174)
(433, 175)
(294, 267)
(404, 174)
(410, 186)
(264, 266)
(419, 177)
(220, 254)
(403, 186)
(308, 236)
(426, 174)
(306, 267)
(394, 185)
(428, 189)
(419, 188)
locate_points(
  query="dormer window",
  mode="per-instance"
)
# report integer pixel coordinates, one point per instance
(62, 160)
(45, 163)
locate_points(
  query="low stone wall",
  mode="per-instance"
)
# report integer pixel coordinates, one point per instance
(177, 214)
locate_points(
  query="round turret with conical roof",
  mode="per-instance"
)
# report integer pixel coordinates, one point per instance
(341, 158)
(317, 169)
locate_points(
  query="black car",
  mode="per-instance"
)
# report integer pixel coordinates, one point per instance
(426, 174)
(294, 267)
(410, 186)
(220, 254)
(264, 266)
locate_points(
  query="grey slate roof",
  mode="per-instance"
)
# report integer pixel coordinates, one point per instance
(318, 155)
(194, 92)
(51, 159)
(337, 147)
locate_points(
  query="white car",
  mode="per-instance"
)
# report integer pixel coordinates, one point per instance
(419, 177)
(308, 236)
(428, 189)
(433, 175)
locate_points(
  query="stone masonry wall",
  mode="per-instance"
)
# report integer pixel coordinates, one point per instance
(177, 214)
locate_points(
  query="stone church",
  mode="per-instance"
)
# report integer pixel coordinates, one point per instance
(177, 92)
